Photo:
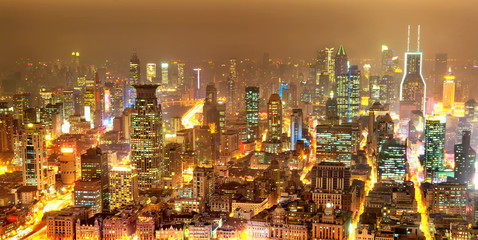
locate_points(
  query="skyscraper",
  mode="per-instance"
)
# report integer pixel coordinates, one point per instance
(434, 146)
(449, 90)
(210, 112)
(99, 102)
(441, 67)
(150, 72)
(134, 77)
(341, 62)
(392, 161)
(33, 155)
(124, 185)
(465, 158)
(146, 137)
(94, 167)
(274, 117)
(231, 86)
(164, 75)
(295, 127)
(348, 94)
(413, 86)
(389, 61)
(252, 113)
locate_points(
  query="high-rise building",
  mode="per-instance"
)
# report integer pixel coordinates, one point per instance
(210, 111)
(389, 61)
(174, 163)
(164, 75)
(231, 86)
(449, 198)
(123, 185)
(33, 155)
(146, 137)
(99, 103)
(341, 62)
(134, 77)
(465, 157)
(470, 110)
(203, 183)
(434, 146)
(181, 74)
(252, 113)
(94, 167)
(21, 102)
(441, 67)
(296, 121)
(449, 90)
(331, 110)
(274, 117)
(88, 194)
(68, 165)
(413, 86)
(392, 162)
(331, 176)
(348, 94)
(337, 143)
(150, 72)
(68, 103)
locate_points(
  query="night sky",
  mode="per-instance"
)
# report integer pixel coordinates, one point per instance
(201, 29)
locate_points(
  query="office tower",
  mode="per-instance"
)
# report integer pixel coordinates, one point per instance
(99, 103)
(413, 86)
(68, 103)
(21, 102)
(9, 129)
(210, 112)
(434, 146)
(134, 77)
(231, 87)
(384, 130)
(89, 99)
(389, 61)
(118, 97)
(252, 113)
(470, 110)
(33, 156)
(465, 158)
(274, 118)
(146, 137)
(164, 75)
(331, 185)
(68, 165)
(392, 161)
(203, 183)
(88, 194)
(123, 185)
(296, 120)
(180, 75)
(341, 62)
(337, 143)
(331, 110)
(449, 90)
(94, 167)
(150, 72)
(173, 162)
(449, 198)
(348, 94)
(441, 70)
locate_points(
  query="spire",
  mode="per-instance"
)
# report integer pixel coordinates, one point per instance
(341, 51)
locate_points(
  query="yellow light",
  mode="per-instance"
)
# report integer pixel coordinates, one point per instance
(67, 150)
(30, 125)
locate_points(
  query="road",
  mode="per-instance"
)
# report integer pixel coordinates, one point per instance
(189, 119)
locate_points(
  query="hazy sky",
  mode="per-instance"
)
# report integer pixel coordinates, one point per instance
(158, 29)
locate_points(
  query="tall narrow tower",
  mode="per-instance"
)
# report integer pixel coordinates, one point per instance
(252, 113)
(413, 86)
(449, 90)
(134, 77)
(146, 137)
(274, 117)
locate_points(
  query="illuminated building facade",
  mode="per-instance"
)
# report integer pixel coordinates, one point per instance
(21, 102)
(33, 156)
(68, 103)
(231, 86)
(252, 113)
(413, 86)
(341, 62)
(274, 117)
(449, 198)
(94, 167)
(89, 99)
(164, 75)
(337, 143)
(210, 111)
(392, 162)
(123, 185)
(441, 67)
(296, 122)
(150, 72)
(146, 137)
(348, 94)
(465, 157)
(434, 146)
(470, 110)
(68, 165)
(88, 193)
(134, 77)
(449, 91)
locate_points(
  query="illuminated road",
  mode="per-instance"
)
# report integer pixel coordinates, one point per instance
(368, 185)
(189, 119)
(414, 170)
(54, 204)
(312, 157)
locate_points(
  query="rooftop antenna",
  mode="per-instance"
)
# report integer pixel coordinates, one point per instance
(418, 48)
(408, 43)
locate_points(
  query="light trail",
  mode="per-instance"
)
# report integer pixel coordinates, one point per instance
(414, 170)
(312, 158)
(189, 119)
(368, 187)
